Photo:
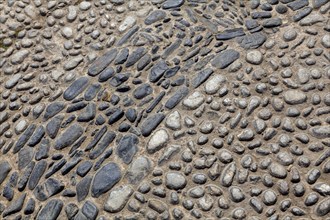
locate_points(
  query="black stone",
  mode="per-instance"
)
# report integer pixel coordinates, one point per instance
(71, 210)
(51, 210)
(122, 56)
(102, 145)
(106, 74)
(25, 176)
(77, 87)
(53, 186)
(76, 106)
(84, 168)
(15, 206)
(118, 114)
(157, 71)
(202, 76)
(252, 41)
(24, 138)
(37, 136)
(69, 136)
(88, 114)
(142, 91)
(42, 152)
(155, 16)
(105, 179)
(151, 123)
(128, 35)
(83, 187)
(5, 168)
(56, 167)
(25, 156)
(225, 58)
(119, 79)
(90, 210)
(92, 91)
(53, 109)
(230, 34)
(135, 56)
(302, 13)
(38, 170)
(96, 138)
(177, 97)
(168, 4)
(102, 62)
(30, 206)
(127, 147)
(131, 114)
(298, 4)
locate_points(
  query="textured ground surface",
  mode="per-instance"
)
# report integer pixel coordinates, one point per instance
(196, 109)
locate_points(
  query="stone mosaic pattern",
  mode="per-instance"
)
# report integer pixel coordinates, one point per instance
(165, 109)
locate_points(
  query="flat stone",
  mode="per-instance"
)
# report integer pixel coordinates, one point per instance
(82, 188)
(312, 18)
(173, 121)
(127, 148)
(323, 207)
(201, 77)
(155, 16)
(321, 131)
(157, 71)
(142, 91)
(127, 23)
(176, 98)
(118, 198)
(19, 57)
(225, 58)
(168, 4)
(135, 56)
(73, 63)
(77, 87)
(89, 210)
(294, 97)
(51, 210)
(230, 34)
(138, 169)
(53, 109)
(277, 170)
(68, 137)
(157, 141)
(5, 168)
(151, 123)
(103, 144)
(15, 206)
(252, 41)
(102, 62)
(107, 177)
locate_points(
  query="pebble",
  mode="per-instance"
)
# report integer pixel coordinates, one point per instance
(254, 57)
(139, 168)
(175, 181)
(294, 97)
(194, 100)
(118, 198)
(157, 141)
(225, 58)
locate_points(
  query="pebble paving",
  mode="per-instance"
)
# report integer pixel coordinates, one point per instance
(164, 109)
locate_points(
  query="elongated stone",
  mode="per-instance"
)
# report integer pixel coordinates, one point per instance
(53, 109)
(23, 139)
(225, 58)
(69, 136)
(157, 71)
(108, 176)
(5, 168)
(37, 136)
(151, 123)
(102, 145)
(77, 87)
(229, 34)
(51, 210)
(201, 77)
(54, 125)
(15, 206)
(155, 16)
(102, 62)
(177, 97)
(127, 36)
(127, 147)
(38, 170)
(96, 138)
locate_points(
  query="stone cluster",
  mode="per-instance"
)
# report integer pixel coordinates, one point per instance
(164, 109)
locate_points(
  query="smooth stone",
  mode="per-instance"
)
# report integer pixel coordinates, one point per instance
(127, 23)
(102, 62)
(323, 207)
(139, 169)
(73, 63)
(194, 100)
(82, 188)
(24, 138)
(25, 155)
(127, 148)
(89, 210)
(106, 74)
(37, 136)
(175, 181)
(69, 136)
(102, 145)
(142, 91)
(176, 98)
(88, 114)
(108, 176)
(53, 126)
(92, 91)
(157, 141)
(13, 80)
(15, 206)
(5, 168)
(118, 198)
(173, 121)
(19, 57)
(228, 174)
(21, 126)
(51, 210)
(151, 123)
(230, 34)
(294, 97)
(53, 109)
(135, 56)
(254, 57)
(277, 170)
(77, 87)
(225, 58)
(201, 77)
(169, 4)
(311, 19)
(155, 16)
